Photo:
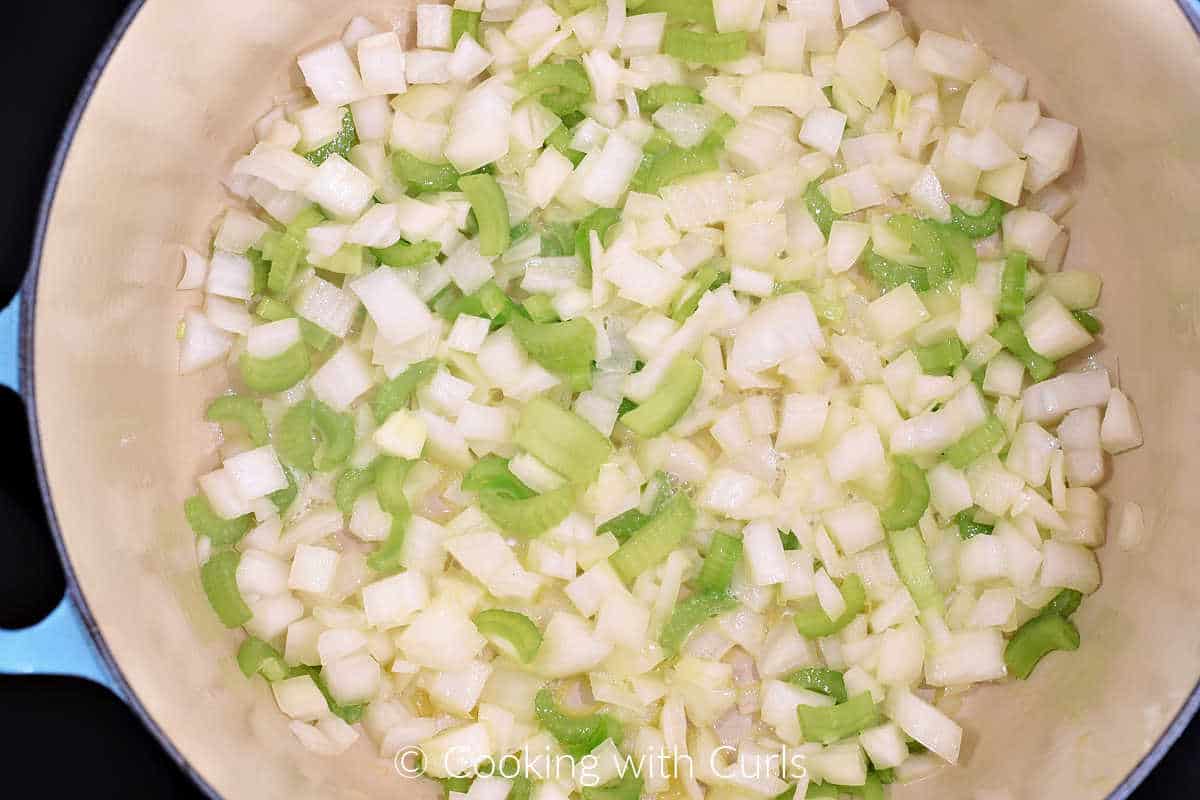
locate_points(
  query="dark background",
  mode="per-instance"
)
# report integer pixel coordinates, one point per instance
(70, 736)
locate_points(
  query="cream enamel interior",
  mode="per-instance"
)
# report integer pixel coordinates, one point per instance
(123, 436)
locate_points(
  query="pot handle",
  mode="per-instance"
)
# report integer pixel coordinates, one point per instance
(60, 644)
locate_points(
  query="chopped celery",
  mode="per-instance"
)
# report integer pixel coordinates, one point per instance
(256, 657)
(1009, 334)
(982, 226)
(562, 440)
(670, 400)
(244, 411)
(557, 239)
(829, 724)
(278, 374)
(599, 221)
(218, 576)
(819, 208)
(887, 275)
(513, 634)
(294, 440)
(1089, 323)
(961, 252)
(388, 558)
(337, 436)
(828, 682)
(315, 336)
(672, 164)
(341, 144)
(1012, 285)
(698, 47)
(565, 348)
(790, 540)
(205, 522)
(924, 237)
(626, 787)
(577, 735)
(350, 484)
(350, 714)
(690, 613)
(968, 528)
(423, 176)
(665, 531)
(540, 308)
(912, 564)
(273, 310)
(941, 358)
(283, 498)
(560, 140)
(979, 442)
(530, 516)
(491, 475)
(569, 75)
(812, 621)
(285, 253)
(395, 394)
(1065, 603)
(261, 270)
(697, 11)
(390, 474)
(909, 496)
(713, 273)
(1036, 639)
(717, 571)
(491, 211)
(405, 254)
(463, 22)
(660, 94)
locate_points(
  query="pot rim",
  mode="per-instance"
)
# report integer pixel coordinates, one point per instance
(1170, 735)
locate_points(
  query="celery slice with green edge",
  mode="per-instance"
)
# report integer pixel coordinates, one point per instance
(577, 735)
(1065, 603)
(711, 274)
(599, 221)
(350, 714)
(261, 271)
(350, 484)
(976, 444)
(670, 400)
(812, 621)
(256, 657)
(529, 516)
(1012, 285)
(698, 47)
(463, 22)
(491, 475)
(829, 724)
(337, 436)
(407, 254)
(981, 226)
(511, 633)
(396, 393)
(819, 208)
(790, 540)
(716, 574)
(562, 440)
(205, 522)
(627, 787)
(218, 576)
(941, 358)
(278, 374)
(1089, 322)
(567, 349)
(560, 140)
(1009, 334)
(661, 94)
(909, 496)
(294, 441)
(912, 565)
(314, 336)
(540, 308)
(664, 532)
(887, 275)
(690, 613)
(557, 239)
(283, 498)
(346, 138)
(567, 75)
(491, 211)
(697, 11)
(1036, 639)
(273, 310)
(285, 253)
(829, 682)
(388, 558)
(423, 176)
(924, 237)
(390, 474)
(961, 252)
(671, 164)
(968, 528)
(624, 525)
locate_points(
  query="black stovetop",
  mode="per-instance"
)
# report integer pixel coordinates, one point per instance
(68, 735)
